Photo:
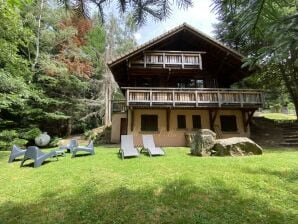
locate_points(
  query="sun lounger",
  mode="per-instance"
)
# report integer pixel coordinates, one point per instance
(37, 155)
(127, 148)
(149, 146)
(15, 152)
(89, 148)
(72, 144)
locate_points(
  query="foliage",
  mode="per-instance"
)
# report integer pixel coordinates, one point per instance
(176, 188)
(267, 31)
(54, 141)
(140, 10)
(90, 135)
(30, 134)
(19, 137)
(103, 137)
(196, 144)
(279, 116)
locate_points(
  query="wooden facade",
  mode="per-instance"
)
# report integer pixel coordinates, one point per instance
(182, 70)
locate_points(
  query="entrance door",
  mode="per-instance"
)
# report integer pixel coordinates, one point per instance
(123, 126)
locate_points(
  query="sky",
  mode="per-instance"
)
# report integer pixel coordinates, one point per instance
(199, 16)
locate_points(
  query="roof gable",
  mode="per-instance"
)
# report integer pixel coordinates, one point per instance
(166, 36)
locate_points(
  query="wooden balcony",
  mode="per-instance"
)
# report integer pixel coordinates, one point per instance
(169, 59)
(174, 97)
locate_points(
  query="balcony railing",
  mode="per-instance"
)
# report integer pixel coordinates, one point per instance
(193, 97)
(169, 59)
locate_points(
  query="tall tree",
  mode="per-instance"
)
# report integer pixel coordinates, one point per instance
(268, 30)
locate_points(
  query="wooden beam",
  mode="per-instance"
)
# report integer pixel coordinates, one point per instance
(212, 117)
(132, 120)
(246, 118)
(168, 112)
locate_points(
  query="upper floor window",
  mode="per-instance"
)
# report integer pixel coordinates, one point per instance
(190, 83)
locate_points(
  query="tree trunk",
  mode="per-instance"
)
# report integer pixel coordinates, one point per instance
(289, 76)
(37, 41)
(69, 127)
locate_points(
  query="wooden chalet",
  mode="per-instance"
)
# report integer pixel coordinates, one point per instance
(180, 82)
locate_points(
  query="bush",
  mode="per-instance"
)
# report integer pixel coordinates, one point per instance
(196, 144)
(104, 137)
(8, 135)
(19, 137)
(30, 134)
(276, 108)
(90, 135)
(54, 141)
(19, 142)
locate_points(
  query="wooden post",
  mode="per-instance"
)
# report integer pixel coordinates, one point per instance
(244, 120)
(212, 118)
(218, 98)
(145, 60)
(164, 59)
(241, 99)
(168, 111)
(173, 93)
(197, 103)
(132, 120)
(182, 60)
(247, 120)
(200, 61)
(150, 96)
(127, 97)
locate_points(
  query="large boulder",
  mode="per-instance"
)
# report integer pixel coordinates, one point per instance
(236, 146)
(202, 142)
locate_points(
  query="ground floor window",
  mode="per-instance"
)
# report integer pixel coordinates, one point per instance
(196, 122)
(149, 123)
(181, 121)
(228, 123)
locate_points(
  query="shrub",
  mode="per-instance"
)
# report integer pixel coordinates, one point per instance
(54, 141)
(90, 135)
(19, 142)
(196, 145)
(8, 135)
(104, 137)
(30, 134)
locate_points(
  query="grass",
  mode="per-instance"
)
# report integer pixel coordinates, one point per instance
(279, 116)
(177, 188)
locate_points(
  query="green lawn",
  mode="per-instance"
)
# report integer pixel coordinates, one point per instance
(279, 116)
(177, 188)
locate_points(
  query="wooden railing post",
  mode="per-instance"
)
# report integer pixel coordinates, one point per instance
(145, 60)
(127, 97)
(173, 92)
(164, 59)
(150, 97)
(241, 99)
(182, 60)
(196, 97)
(200, 61)
(218, 98)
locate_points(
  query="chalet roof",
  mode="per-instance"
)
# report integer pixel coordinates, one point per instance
(170, 33)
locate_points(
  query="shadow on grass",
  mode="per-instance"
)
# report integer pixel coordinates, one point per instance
(179, 201)
(82, 155)
(285, 175)
(30, 163)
